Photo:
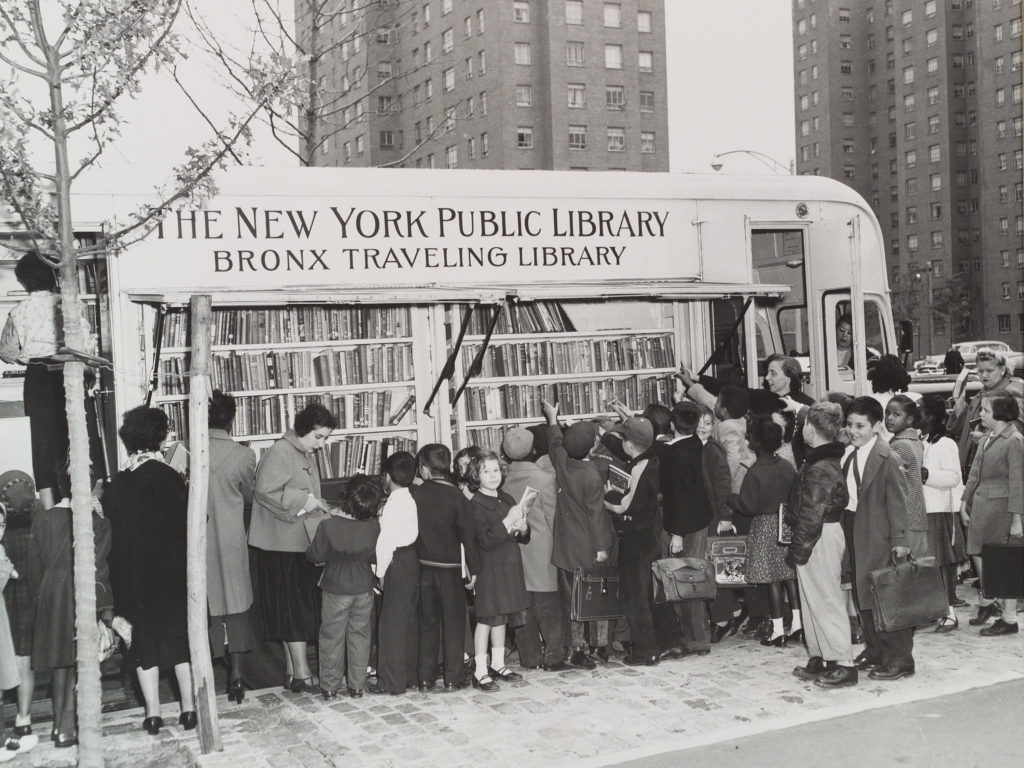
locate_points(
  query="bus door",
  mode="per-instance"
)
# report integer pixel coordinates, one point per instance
(844, 333)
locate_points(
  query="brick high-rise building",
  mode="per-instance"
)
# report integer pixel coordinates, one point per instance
(546, 84)
(916, 104)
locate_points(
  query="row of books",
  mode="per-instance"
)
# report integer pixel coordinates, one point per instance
(234, 372)
(293, 325)
(358, 454)
(516, 317)
(519, 401)
(536, 358)
(274, 414)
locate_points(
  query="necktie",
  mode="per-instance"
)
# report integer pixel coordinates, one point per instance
(852, 461)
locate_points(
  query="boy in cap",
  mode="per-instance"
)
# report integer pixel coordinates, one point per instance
(583, 532)
(635, 518)
(544, 619)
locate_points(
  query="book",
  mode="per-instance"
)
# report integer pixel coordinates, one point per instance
(403, 409)
(529, 498)
(619, 479)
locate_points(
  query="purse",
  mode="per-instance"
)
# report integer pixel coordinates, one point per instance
(1003, 574)
(596, 594)
(728, 557)
(683, 578)
(907, 594)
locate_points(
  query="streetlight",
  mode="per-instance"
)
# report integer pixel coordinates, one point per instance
(931, 332)
(767, 160)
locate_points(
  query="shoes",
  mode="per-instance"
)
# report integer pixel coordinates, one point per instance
(329, 695)
(505, 674)
(451, 688)
(775, 642)
(236, 691)
(856, 636)
(815, 666)
(22, 730)
(150, 725)
(302, 685)
(287, 684)
(796, 637)
(601, 653)
(1000, 627)
(946, 624)
(188, 720)
(426, 686)
(640, 661)
(355, 694)
(486, 684)
(376, 690)
(863, 663)
(985, 612)
(959, 603)
(737, 621)
(719, 631)
(838, 677)
(15, 745)
(890, 673)
(674, 652)
(580, 660)
(558, 666)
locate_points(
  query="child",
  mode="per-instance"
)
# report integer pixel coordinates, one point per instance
(346, 543)
(398, 569)
(816, 504)
(943, 488)
(765, 487)
(901, 418)
(635, 518)
(875, 525)
(501, 586)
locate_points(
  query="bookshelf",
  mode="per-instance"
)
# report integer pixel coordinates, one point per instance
(359, 362)
(579, 355)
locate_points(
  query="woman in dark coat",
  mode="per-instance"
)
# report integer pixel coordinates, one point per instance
(50, 573)
(146, 505)
(501, 600)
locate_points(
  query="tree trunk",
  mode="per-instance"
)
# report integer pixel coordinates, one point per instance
(198, 485)
(90, 750)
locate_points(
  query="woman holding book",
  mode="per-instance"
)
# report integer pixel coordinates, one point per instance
(287, 492)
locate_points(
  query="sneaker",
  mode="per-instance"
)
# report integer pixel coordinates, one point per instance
(999, 627)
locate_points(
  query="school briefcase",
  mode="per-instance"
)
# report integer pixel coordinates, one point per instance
(1003, 574)
(907, 594)
(596, 594)
(683, 578)
(728, 557)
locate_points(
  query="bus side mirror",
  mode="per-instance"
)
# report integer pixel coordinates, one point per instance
(906, 336)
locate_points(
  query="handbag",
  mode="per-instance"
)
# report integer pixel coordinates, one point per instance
(596, 594)
(907, 594)
(728, 557)
(1003, 574)
(683, 578)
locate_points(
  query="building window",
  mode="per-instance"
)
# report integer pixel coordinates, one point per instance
(937, 242)
(522, 54)
(846, 93)
(912, 243)
(1004, 258)
(574, 54)
(576, 95)
(524, 95)
(521, 12)
(647, 142)
(911, 214)
(1003, 323)
(848, 120)
(1015, 28)
(573, 11)
(911, 185)
(844, 15)
(643, 21)
(387, 139)
(847, 146)
(448, 41)
(612, 56)
(846, 67)
(907, 18)
(614, 97)
(929, 9)
(934, 153)
(524, 137)
(428, 52)
(933, 124)
(467, 26)
(448, 79)
(936, 181)
(616, 139)
(360, 143)
(1005, 290)
(577, 137)
(845, 42)
(645, 60)
(480, 22)
(613, 15)
(383, 70)
(909, 158)
(908, 102)
(908, 75)
(933, 96)
(485, 146)
(483, 103)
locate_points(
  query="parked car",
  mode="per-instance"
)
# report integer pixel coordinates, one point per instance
(969, 350)
(929, 365)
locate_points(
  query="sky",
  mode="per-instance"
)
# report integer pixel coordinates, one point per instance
(730, 86)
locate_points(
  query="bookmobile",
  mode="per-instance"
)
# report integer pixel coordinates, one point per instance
(441, 306)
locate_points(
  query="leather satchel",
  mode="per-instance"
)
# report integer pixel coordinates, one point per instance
(683, 578)
(728, 558)
(596, 594)
(907, 594)
(1003, 574)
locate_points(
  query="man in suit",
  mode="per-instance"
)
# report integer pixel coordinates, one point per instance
(875, 524)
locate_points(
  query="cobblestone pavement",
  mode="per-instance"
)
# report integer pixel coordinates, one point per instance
(612, 714)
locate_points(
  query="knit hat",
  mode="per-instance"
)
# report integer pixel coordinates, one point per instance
(517, 443)
(579, 439)
(638, 431)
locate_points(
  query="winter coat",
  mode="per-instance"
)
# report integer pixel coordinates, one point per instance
(500, 585)
(819, 490)
(232, 475)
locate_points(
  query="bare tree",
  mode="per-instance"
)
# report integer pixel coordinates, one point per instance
(71, 63)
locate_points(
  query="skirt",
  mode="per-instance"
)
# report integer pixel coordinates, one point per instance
(9, 677)
(289, 596)
(150, 651)
(766, 558)
(235, 631)
(987, 527)
(517, 619)
(946, 538)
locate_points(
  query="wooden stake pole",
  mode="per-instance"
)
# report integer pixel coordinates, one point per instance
(198, 484)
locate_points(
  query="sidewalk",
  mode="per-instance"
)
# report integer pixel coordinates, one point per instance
(611, 715)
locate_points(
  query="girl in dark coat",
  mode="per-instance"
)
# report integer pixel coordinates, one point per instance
(146, 505)
(500, 525)
(50, 573)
